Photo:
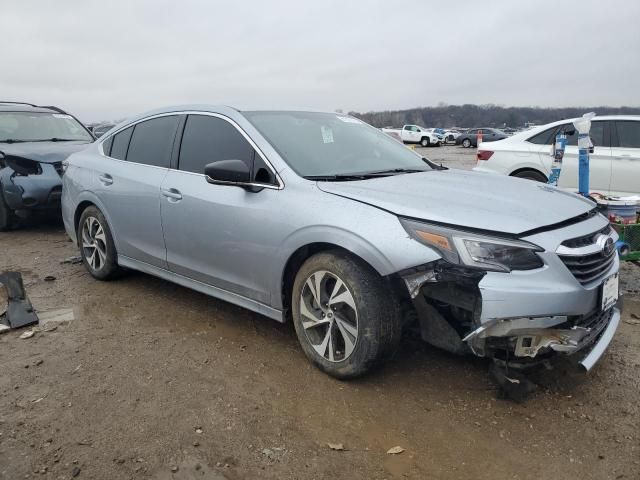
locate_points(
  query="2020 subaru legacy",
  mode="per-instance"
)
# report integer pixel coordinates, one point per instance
(324, 220)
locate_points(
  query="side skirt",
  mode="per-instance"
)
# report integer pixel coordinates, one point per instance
(202, 288)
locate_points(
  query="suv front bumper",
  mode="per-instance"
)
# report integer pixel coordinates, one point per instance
(36, 191)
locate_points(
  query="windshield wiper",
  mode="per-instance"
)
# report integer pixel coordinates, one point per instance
(391, 171)
(57, 139)
(330, 178)
(435, 166)
(363, 175)
(11, 140)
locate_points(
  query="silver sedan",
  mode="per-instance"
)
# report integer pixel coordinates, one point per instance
(324, 220)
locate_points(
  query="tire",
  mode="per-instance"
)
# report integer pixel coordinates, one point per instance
(424, 142)
(7, 217)
(531, 175)
(343, 341)
(96, 245)
(466, 143)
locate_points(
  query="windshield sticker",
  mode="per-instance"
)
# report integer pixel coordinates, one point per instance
(61, 115)
(349, 119)
(327, 134)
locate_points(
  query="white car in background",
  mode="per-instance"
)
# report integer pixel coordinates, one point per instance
(614, 166)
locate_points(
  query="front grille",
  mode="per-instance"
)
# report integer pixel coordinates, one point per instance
(587, 268)
(58, 167)
(586, 239)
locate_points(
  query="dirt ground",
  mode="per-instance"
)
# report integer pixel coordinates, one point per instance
(154, 381)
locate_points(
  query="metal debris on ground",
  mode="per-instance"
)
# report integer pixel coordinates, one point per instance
(336, 446)
(395, 450)
(19, 312)
(27, 334)
(74, 260)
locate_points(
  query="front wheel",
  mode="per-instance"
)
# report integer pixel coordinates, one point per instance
(97, 249)
(466, 143)
(424, 142)
(346, 318)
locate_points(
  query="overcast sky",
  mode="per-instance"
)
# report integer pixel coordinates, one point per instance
(114, 58)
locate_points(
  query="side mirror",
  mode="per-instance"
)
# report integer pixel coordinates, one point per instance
(228, 172)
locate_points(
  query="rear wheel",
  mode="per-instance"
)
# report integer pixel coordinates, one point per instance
(346, 318)
(466, 143)
(7, 216)
(97, 249)
(424, 142)
(531, 175)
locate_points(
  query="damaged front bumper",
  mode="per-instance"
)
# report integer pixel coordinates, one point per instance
(529, 337)
(521, 318)
(42, 190)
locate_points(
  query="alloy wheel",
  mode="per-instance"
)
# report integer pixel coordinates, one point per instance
(329, 316)
(94, 243)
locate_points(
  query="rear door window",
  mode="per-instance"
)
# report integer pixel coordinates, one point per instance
(121, 144)
(152, 141)
(628, 134)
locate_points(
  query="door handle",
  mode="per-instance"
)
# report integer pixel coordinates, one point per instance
(106, 179)
(172, 194)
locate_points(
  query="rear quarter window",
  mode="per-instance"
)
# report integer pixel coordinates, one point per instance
(120, 144)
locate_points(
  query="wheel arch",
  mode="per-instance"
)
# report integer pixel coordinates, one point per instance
(300, 255)
(528, 169)
(86, 200)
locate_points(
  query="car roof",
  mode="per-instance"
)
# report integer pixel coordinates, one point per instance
(541, 128)
(7, 106)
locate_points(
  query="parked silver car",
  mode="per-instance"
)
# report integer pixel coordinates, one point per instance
(325, 220)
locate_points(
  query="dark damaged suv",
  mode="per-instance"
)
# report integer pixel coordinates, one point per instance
(34, 141)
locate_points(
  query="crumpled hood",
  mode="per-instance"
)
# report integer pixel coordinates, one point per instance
(466, 199)
(43, 152)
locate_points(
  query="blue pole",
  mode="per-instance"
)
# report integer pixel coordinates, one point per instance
(583, 164)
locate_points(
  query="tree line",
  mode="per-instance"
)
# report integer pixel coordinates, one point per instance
(468, 115)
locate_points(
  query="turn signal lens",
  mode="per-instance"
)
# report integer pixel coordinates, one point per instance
(439, 241)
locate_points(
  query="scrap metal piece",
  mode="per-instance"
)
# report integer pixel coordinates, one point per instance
(415, 281)
(20, 312)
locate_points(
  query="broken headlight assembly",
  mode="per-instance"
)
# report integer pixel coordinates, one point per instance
(475, 250)
(23, 166)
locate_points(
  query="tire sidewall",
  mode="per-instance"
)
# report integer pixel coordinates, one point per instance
(466, 143)
(371, 310)
(424, 142)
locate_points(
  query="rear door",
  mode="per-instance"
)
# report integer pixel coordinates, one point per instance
(625, 162)
(135, 165)
(599, 160)
(220, 235)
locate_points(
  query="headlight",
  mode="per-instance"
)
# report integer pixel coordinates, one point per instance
(479, 251)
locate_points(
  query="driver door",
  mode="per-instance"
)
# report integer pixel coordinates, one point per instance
(220, 235)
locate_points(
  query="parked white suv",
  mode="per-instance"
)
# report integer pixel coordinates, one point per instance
(614, 163)
(416, 134)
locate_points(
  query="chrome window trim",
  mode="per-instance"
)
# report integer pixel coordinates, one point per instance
(280, 184)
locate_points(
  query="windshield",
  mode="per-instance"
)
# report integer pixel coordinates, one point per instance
(327, 144)
(31, 126)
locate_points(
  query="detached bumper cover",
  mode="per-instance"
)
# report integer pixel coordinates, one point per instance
(603, 342)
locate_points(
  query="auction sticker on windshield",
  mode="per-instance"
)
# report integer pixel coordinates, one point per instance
(610, 291)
